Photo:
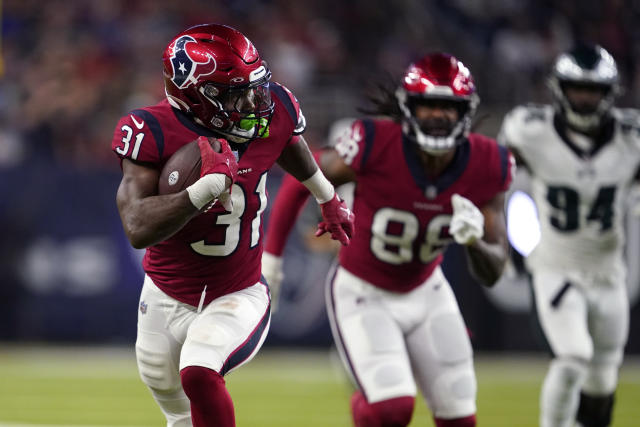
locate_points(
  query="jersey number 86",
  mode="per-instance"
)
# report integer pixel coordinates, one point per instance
(394, 232)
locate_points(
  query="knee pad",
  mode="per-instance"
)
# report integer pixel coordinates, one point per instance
(568, 372)
(560, 390)
(595, 411)
(601, 379)
(454, 388)
(155, 364)
(395, 412)
(454, 392)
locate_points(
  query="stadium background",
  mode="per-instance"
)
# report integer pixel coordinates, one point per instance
(71, 68)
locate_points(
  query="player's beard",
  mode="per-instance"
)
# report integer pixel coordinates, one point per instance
(439, 127)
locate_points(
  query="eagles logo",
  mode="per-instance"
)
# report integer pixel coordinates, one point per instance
(189, 64)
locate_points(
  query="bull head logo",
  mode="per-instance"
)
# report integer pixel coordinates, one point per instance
(190, 64)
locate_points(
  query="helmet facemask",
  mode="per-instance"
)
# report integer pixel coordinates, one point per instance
(240, 113)
(437, 135)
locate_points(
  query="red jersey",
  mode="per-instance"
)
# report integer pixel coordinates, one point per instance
(218, 249)
(402, 216)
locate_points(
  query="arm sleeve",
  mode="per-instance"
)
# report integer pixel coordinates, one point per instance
(291, 198)
(291, 104)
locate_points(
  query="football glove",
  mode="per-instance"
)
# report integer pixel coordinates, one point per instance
(272, 272)
(218, 171)
(338, 220)
(467, 222)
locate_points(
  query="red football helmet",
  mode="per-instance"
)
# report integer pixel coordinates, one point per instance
(215, 73)
(437, 78)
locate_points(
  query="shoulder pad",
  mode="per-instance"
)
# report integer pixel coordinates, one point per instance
(629, 120)
(627, 116)
(524, 122)
(290, 102)
(138, 136)
(339, 130)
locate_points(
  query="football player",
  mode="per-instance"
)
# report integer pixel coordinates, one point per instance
(204, 311)
(581, 154)
(422, 181)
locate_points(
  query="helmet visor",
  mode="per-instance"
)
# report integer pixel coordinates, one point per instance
(238, 102)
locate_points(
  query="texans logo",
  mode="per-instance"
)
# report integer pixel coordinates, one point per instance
(190, 64)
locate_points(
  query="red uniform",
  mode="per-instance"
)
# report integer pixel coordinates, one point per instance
(394, 318)
(401, 230)
(218, 249)
(402, 215)
(402, 219)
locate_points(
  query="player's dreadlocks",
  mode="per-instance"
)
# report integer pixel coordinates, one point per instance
(383, 100)
(382, 97)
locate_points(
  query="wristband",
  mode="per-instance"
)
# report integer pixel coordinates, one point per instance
(206, 189)
(320, 187)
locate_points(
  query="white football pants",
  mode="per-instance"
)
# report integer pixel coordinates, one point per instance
(390, 341)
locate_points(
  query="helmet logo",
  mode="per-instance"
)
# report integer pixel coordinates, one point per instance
(237, 79)
(190, 63)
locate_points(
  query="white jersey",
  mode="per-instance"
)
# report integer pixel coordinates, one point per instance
(580, 197)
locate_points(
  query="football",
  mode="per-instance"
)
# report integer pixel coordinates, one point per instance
(183, 167)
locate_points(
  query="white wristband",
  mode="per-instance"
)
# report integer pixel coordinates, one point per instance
(320, 187)
(206, 189)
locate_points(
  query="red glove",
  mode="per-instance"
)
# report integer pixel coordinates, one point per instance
(223, 162)
(338, 220)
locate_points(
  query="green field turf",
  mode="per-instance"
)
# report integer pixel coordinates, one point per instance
(100, 387)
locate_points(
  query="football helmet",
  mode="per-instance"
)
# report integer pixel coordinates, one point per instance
(214, 73)
(585, 66)
(437, 78)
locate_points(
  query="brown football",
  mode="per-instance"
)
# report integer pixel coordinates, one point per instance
(183, 167)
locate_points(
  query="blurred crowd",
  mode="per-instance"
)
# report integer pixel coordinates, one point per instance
(72, 68)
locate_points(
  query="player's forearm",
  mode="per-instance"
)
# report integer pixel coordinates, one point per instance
(486, 261)
(297, 160)
(150, 220)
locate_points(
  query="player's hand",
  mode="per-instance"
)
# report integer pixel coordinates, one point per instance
(272, 272)
(467, 222)
(218, 171)
(338, 220)
(223, 162)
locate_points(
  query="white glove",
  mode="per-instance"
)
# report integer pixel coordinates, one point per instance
(467, 222)
(272, 272)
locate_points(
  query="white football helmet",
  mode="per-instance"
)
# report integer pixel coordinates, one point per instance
(587, 67)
